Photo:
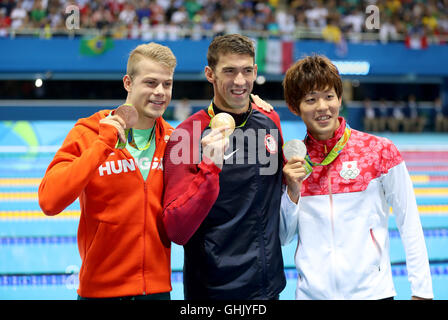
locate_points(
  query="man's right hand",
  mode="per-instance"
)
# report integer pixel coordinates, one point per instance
(118, 123)
(294, 173)
(214, 145)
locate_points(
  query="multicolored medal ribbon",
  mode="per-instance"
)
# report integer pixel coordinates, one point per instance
(211, 113)
(131, 140)
(333, 153)
(129, 133)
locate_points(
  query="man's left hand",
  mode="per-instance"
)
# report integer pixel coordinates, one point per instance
(261, 103)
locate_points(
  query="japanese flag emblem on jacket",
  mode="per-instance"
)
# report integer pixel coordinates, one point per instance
(349, 170)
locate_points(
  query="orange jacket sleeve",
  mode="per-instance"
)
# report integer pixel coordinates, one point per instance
(73, 166)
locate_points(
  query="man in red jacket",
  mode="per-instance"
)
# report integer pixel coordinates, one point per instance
(224, 208)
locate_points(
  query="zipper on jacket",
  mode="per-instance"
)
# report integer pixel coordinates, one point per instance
(263, 257)
(145, 212)
(330, 195)
(145, 188)
(333, 238)
(378, 248)
(261, 241)
(144, 240)
(144, 216)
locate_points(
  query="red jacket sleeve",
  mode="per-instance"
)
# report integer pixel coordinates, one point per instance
(190, 189)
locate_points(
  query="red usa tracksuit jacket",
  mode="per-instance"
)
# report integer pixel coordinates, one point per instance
(227, 220)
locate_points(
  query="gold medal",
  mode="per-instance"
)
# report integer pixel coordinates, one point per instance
(223, 119)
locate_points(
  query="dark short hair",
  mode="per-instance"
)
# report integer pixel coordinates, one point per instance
(312, 73)
(229, 43)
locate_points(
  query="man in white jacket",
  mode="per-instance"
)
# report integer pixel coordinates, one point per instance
(340, 211)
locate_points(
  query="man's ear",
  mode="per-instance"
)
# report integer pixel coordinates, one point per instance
(340, 105)
(127, 83)
(293, 111)
(209, 74)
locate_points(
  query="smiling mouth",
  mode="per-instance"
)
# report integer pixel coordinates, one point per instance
(323, 118)
(238, 92)
(159, 103)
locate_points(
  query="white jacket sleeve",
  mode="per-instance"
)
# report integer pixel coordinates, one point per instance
(289, 214)
(400, 195)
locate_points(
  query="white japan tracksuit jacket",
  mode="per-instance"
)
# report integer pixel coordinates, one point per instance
(342, 222)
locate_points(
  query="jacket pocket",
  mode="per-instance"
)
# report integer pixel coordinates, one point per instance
(378, 252)
(94, 240)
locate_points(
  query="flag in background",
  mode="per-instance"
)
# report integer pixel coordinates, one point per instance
(95, 46)
(274, 56)
(341, 47)
(416, 42)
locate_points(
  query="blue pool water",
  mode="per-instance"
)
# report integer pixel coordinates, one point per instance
(39, 257)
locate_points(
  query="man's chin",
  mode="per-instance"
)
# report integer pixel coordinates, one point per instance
(239, 104)
(153, 115)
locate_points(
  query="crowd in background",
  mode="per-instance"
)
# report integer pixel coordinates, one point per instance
(174, 19)
(404, 116)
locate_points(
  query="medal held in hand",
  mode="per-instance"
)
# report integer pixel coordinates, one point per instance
(223, 119)
(130, 116)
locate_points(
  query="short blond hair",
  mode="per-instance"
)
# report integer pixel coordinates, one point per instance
(154, 51)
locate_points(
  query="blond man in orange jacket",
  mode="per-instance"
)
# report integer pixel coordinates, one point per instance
(124, 249)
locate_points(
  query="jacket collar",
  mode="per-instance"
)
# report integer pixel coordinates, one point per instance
(325, 146)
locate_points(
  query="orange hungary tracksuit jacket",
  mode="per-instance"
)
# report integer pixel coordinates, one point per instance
(121, 239)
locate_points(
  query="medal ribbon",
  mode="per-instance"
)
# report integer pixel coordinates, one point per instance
(131, 140)
(129, 133)
(333, 153)
(211, 113)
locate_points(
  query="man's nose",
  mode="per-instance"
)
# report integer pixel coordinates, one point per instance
(159, 89)
(239, 79)
(321, 104)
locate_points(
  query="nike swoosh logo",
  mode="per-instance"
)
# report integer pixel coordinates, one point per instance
(227, 156)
